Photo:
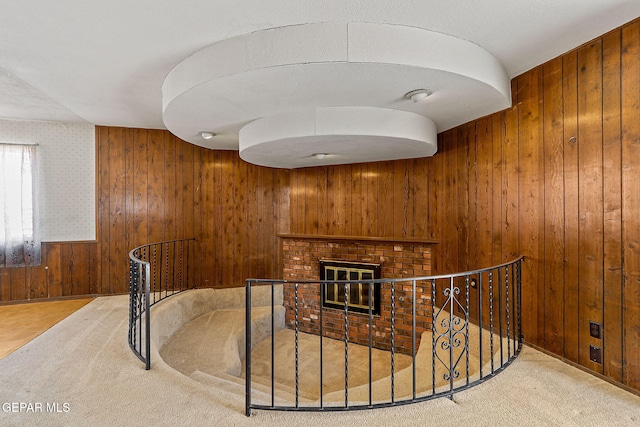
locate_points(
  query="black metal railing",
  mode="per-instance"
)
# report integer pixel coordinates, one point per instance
(475, 332)
(156, 271)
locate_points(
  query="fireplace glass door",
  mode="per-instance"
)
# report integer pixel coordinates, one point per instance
(357, 292)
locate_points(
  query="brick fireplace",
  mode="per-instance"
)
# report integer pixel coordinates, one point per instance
(398, 258)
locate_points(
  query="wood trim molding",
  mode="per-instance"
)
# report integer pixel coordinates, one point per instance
(358, 238)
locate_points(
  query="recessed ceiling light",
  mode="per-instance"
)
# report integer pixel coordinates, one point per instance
(207, 134)
(320, 156)
(417, 95)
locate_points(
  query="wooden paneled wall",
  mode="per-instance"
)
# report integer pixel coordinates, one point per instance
(154, 187)
(555, 178)
(151, 186)
(68, 268)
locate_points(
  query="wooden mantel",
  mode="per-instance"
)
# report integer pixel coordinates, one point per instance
(358, 238)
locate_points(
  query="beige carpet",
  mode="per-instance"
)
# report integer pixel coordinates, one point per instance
(333, 375)
(82, 367)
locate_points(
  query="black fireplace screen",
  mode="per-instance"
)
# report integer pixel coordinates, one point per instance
(358, 292)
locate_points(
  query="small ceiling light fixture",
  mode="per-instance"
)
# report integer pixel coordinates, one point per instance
(207, 134)
(417, 95)
(319, 156)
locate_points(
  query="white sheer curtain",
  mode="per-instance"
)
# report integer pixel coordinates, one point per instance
(19, 225)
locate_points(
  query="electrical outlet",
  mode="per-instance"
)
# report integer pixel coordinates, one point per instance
(595, 330)
(595, 354)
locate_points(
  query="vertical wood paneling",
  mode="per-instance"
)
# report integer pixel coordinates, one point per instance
(571, 234)
(188, 192)
(334, 198)
(510, 184)
(612, 173)
(140, 189)
(76, 273)
(117, 209)
(398, 203)
(496, 189)
(554, 207)
(5, 285)
(348, 177)
(54, 271)
(267, 210)
(482, 234)
(227, 246)
(450, 237)
(531, 203)
(312, 213)
(297, 203)
(474, 168)
(590, 196)
(410, 191)
(215, 252)
(481, 207)
(129, 191)
(81, 272)
(179, 188)
(37, 278)
(18, 277)
(67, 254)
(239, 228)
(630, 120)
(102, 150)
(324, 208)
(436, 201)
(357, 199)
(155, 185)
(370, 184)
(385, 194)
(254, 239)
(169, 186)
(419, 189)
(462, 171)
(510, 191)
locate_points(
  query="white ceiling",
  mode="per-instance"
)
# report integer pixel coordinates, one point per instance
(104, 62)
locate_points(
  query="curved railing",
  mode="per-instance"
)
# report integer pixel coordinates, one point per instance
(156, 271)
(473, 331)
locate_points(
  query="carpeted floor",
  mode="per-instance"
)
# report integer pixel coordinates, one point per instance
(81, 372)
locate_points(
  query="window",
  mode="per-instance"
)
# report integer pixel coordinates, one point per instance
(19, 236)
(357, 293)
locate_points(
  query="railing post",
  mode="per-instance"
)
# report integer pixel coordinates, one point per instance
(450, 336)
(247, 337)
(147, 312)
(413, 339)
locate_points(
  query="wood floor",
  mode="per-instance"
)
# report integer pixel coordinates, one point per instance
(20, 323)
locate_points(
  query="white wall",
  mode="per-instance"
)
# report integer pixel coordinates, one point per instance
(66, 184)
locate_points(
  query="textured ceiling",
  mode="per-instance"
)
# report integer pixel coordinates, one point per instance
(105, 62)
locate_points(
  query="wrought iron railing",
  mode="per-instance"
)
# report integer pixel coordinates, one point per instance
(156, 271)
(475, 332)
